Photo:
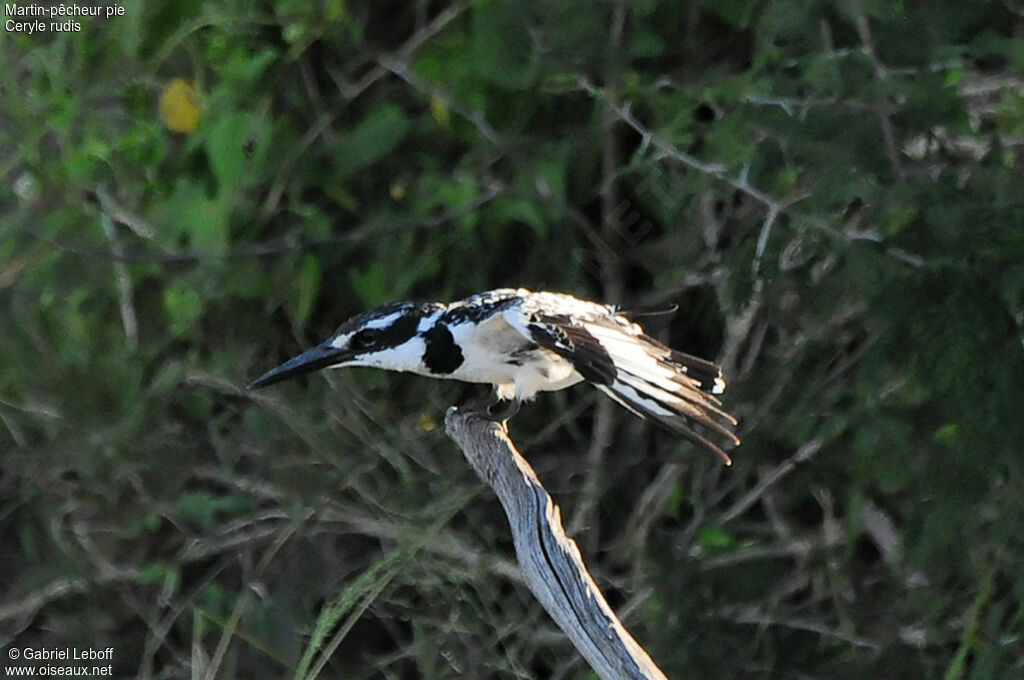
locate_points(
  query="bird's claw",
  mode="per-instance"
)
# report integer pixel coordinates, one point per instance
(492, 408)
(500, 411)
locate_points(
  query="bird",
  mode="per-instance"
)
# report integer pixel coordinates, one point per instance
(522, 343)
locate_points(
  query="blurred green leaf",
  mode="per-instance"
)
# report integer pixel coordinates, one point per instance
(512, 210)
(674, 504)
(715, 538)
(645, 44)
(152, 573)
(501, 49)
(225, 145)
(369, 284)
(947, 434)
(305, 288)
(183, 306)
(374, 137)
(188, 213)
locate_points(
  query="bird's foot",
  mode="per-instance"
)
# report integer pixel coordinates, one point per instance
(493, 408)
(500, 411)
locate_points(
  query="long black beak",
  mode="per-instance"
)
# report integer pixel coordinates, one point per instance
(307, 362)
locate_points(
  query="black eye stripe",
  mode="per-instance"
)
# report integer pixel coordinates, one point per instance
(364, 338)
(398, 332)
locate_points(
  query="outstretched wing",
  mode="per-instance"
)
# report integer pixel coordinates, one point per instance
(643, 375)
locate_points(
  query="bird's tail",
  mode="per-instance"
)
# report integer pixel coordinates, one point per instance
(672, 388)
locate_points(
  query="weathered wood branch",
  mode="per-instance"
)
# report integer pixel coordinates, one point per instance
(551, 563)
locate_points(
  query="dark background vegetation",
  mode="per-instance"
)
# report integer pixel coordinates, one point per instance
(833, 193)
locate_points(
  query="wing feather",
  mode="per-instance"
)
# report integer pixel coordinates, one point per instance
(638, 372)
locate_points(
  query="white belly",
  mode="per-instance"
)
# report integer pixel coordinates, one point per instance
(497, 354)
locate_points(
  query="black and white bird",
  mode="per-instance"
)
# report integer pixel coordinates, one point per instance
(522, 343)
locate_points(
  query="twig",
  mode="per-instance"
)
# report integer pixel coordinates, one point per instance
(26, 607)
(401, 69)
(124, 284)
(805, 452)
(601, 437)
(551, 562)
(762, 239)
(882, 531)
(738, 327)
(791, 548)
(759, 618)
(881, 75)
(666, 149)
(648, 510)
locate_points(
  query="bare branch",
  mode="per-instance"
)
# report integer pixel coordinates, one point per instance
(551, 562)
(667, 150)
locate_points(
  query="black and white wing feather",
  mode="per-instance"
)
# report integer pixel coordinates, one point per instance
(646, 377)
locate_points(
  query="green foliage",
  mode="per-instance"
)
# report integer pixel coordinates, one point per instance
(832, 192)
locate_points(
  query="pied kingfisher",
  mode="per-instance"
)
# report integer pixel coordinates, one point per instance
(523, 343)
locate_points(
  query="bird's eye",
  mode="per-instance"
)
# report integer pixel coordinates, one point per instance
(364, 338)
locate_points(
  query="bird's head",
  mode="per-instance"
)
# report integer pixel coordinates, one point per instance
(384, 337)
